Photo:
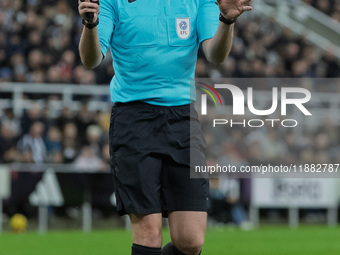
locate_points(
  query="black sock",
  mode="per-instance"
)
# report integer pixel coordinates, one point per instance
(143, 250)
(167, 249)
(170, 249)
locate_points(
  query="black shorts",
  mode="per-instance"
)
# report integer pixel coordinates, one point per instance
(150, 158)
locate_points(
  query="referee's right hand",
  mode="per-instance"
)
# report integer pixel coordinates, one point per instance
(87, 6)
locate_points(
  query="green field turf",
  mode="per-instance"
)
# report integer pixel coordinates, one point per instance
(266, 240)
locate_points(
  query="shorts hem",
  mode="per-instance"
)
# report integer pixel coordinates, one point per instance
(164, 213)
(138, 211)
(186, 209)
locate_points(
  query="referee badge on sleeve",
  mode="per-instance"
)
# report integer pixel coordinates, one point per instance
(183, 28)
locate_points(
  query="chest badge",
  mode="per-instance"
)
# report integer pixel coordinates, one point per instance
(183, 28)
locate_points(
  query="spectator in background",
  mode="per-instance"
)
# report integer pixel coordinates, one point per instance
(88, 160)
(331, 64)
(326, 6)
(10, 155)
(33, 114)
(11, 122)
(66, 66)
(9, 132)
(218, 207)
(64, 15)
(93, 135)
(18, 67)
(102, 118)
(53, 145)
(224, 202)
(83, 76)
(35, 60)
(84, 118)
(7, 140)
(70, 143)
(232, 189)
(33, 144)
(5, 72)
(65, 117)
(54, 74)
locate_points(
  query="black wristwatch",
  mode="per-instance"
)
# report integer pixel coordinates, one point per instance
(90, 25)
(227, 21)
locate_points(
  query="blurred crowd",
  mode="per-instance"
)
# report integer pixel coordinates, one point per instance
(329, 7)
(80, 138)
(39, 44)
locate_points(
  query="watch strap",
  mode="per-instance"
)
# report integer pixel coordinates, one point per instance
(227, 21)
(90, 25)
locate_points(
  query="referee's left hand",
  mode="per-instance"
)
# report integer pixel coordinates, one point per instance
(231, 9)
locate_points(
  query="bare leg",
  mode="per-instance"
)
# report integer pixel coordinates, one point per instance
(147, 229)
(187, 230)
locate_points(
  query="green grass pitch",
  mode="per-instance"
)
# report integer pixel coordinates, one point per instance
(273, 240)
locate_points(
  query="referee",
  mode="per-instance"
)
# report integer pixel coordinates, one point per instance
(154, 46)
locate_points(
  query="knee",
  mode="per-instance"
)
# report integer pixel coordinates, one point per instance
(190, 244)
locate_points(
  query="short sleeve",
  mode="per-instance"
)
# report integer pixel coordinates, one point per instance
(207, 19)
(107, 20)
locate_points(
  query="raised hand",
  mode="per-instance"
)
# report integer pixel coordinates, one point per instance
(88, 10)
(231, 9)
